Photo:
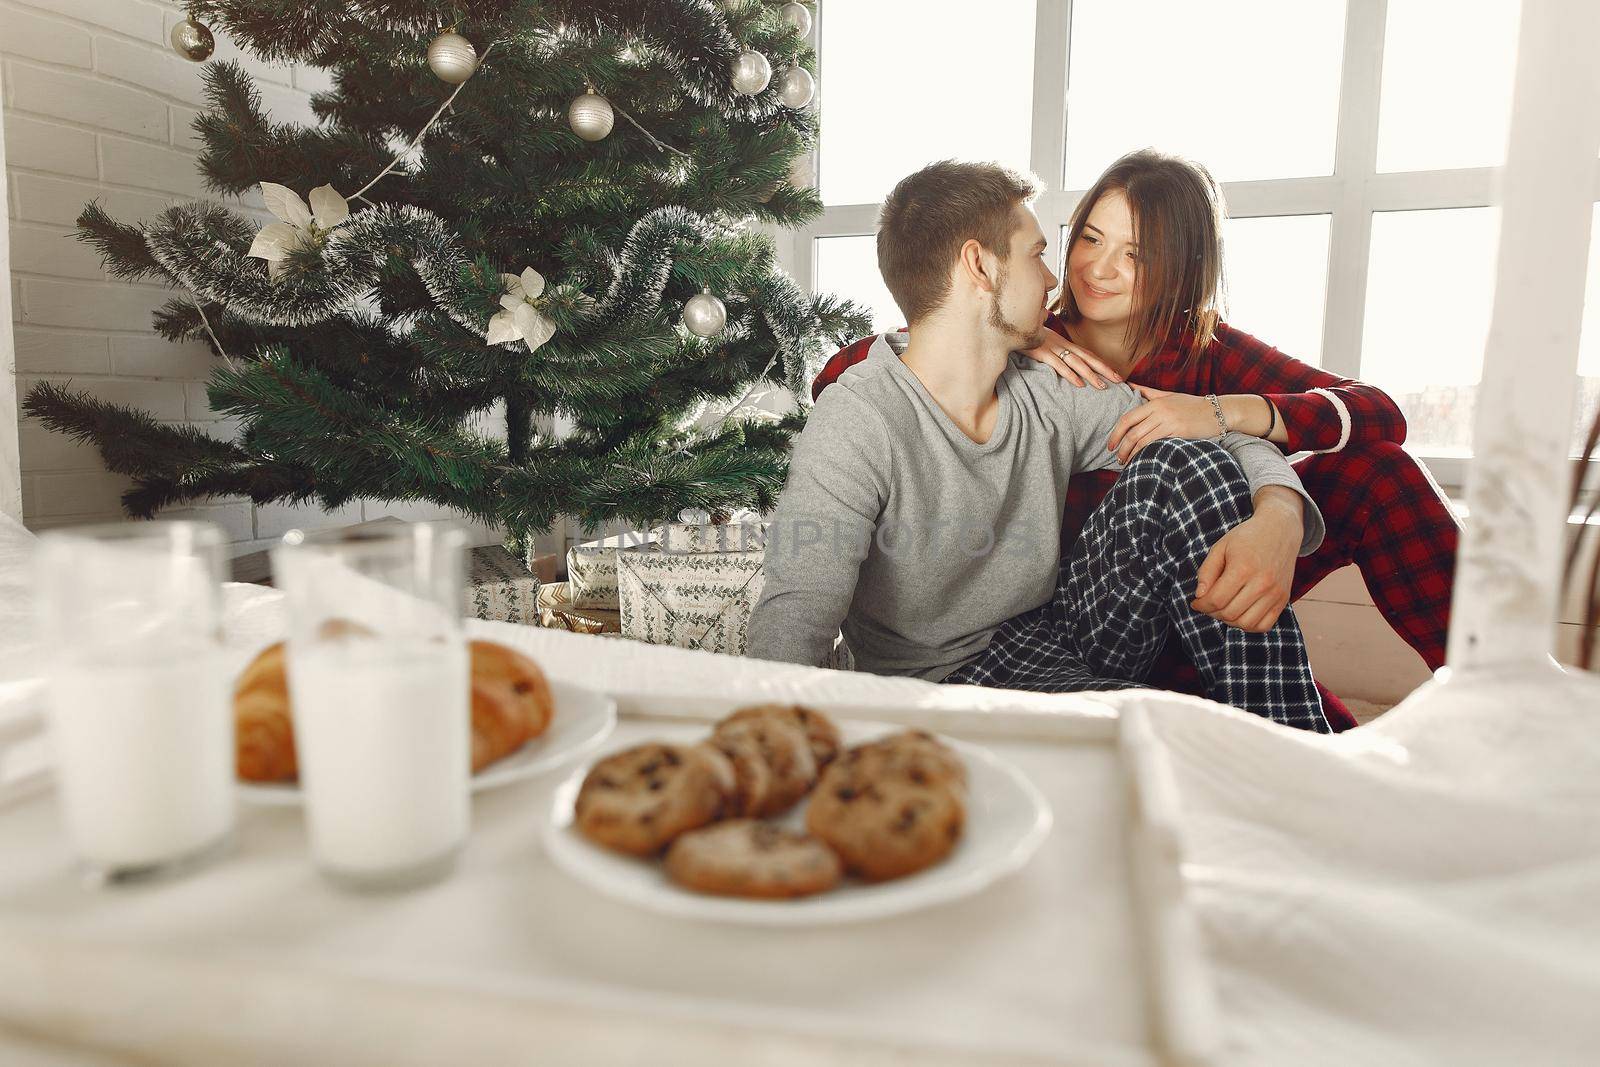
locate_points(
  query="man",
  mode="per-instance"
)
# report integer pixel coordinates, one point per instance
(923, 507)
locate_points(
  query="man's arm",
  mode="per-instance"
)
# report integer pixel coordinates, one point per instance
(1265, 467)
(1248, 576)
(837, 487)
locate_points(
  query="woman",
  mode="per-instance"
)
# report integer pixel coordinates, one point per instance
(1147, 313)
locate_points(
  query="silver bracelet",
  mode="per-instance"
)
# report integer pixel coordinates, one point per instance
(1216, 409)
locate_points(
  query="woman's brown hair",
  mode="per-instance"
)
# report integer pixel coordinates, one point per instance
(1177, 211)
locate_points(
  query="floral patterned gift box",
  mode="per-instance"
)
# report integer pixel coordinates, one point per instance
(697, 531)
(696, 600)
(592, 569)
(501, 589)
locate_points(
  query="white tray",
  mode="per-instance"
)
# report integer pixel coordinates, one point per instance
(254, 959)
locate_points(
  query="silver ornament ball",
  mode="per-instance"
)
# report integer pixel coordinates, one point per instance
(193, 41)
(452, 58)
(751, 73)
(704, 315)
(796, 87)
(591, 117)
(797, 16)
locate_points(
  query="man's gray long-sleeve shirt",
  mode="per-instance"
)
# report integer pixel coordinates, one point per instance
(920, 542)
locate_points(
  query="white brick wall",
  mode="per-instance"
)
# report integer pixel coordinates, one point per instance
(98, 107)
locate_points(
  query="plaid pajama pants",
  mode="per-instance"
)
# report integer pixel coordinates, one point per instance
(1126, 585)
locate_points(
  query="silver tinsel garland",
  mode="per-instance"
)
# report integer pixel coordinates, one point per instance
(182, 240)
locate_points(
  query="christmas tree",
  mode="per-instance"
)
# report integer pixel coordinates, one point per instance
(470, 230)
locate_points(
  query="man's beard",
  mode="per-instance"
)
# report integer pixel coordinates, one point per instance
(1025, 337)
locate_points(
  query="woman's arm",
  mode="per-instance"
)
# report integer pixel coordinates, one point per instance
(1255, 415)
(839, 362)
(1317, 411)
(1310, 409)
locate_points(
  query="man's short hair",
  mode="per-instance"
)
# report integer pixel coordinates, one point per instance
(935, 211)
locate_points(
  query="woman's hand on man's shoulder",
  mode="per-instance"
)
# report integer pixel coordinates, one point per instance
(1071, 361)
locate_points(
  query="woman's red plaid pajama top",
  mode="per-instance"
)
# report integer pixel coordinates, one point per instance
(1383, 511)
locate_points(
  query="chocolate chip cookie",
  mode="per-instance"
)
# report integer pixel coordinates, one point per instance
(783, 747)
(752, 777)
(747, 858)
(887, 811)
(820, 731)
(915, 754)
(638, 800)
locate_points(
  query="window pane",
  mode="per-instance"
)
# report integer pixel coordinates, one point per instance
(1430, 286)
(1250, 88)
(1278, 280)
(848, 267)
(901, 88)
(1446, 84)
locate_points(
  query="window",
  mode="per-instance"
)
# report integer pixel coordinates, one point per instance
(850, 265)
(901, 89)
(1188, 88)
(1430, 288)
(1354, 140)
(1277, 273)
(1446, 99)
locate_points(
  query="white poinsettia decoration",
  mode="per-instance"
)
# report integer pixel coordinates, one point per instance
(520, 317)
(758, 415)
(301, 226)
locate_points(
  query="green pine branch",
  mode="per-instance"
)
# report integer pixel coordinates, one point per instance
(363, 368)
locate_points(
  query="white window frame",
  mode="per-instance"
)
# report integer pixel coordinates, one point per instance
(1350, 195)
(10, 448)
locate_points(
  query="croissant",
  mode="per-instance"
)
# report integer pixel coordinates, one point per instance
(510, 699)
(263, 735)
(511, 702)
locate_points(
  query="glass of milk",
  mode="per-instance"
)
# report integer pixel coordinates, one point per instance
(140, 717)
(379, 695)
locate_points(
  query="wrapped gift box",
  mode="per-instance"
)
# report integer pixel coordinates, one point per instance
(592, 568)
(685, 537)
(501, 589)
(697, 531)
(700, 600)
(556, 611)
(744, 533)
(570, 622)
(546, 568)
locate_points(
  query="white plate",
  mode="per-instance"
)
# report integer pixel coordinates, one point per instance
(583, 719)
(1007, 820)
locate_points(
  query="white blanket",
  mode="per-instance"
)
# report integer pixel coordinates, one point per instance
(1422, 890)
